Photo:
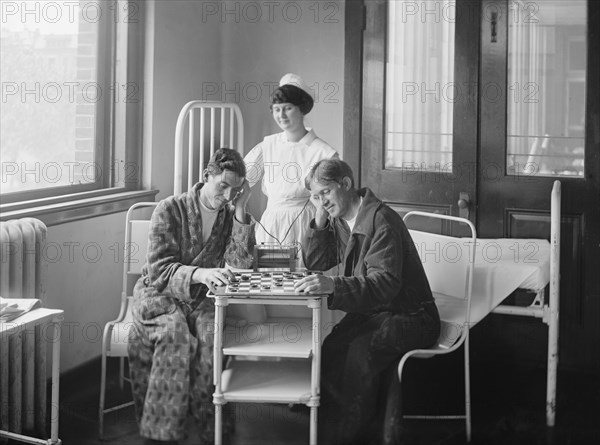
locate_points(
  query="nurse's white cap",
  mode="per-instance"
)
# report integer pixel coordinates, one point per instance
(296, 80)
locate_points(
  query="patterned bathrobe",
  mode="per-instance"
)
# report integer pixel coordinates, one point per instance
(171, 341)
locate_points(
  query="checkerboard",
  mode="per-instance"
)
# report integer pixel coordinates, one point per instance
(263, 284)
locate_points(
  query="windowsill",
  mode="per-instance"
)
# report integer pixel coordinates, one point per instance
(54, 211)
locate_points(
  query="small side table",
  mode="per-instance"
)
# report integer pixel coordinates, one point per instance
(269, 381)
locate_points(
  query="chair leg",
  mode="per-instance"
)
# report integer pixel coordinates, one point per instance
(121, 373)
(102, 395)
(392, 420)
(467, 389)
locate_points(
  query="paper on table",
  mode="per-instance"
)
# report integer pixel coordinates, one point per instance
(11, 308)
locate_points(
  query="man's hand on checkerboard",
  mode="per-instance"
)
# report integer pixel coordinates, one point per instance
(315, 284)
(212, 278)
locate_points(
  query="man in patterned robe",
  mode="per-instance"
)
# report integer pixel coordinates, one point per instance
(170, 349)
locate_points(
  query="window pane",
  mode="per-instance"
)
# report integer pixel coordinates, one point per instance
(420, 89)
(50, 94)
(546, 88)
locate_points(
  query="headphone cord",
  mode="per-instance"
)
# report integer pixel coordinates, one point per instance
(289, 228)
(295, 219)
(337, 247)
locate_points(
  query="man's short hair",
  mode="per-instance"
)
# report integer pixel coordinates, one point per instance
(226, 159)
(329, 170)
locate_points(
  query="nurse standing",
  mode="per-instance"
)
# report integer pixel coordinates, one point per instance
(282, 161)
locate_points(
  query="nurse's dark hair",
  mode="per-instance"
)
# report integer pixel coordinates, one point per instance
(329, 170)
(293, 95)
(226, 159)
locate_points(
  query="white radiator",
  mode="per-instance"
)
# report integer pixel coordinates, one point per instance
(23, 356)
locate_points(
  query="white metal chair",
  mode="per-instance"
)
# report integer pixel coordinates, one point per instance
(116, 332)
(449, 265)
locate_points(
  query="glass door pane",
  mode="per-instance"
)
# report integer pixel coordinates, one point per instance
(546, 88)
(420, 87)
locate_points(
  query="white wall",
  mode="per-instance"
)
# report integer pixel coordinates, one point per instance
(84, 279)
(191, 51)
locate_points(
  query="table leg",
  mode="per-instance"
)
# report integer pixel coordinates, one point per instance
(315, 305)
(54, 409)
(218, 399)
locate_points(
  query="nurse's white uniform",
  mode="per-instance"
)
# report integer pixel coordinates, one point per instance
(282, 165)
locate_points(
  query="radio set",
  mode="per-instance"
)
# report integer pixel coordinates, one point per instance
(271, 256)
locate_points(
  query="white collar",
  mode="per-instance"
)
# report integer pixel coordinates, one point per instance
(307, 139)
(352, 221)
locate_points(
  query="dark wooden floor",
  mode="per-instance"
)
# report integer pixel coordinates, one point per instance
(508, 408)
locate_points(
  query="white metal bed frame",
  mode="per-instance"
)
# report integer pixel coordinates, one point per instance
(188, 114)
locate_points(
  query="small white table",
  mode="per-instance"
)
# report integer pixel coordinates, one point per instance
(36, 317)
(267, 381)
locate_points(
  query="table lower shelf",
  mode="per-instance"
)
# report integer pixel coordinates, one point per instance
(277, 337)
(286, 381)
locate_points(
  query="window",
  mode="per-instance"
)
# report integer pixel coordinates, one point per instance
(420, 87)
(547, 88)
(66, 93)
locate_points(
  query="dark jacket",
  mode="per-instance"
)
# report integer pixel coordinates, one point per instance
(379, 269)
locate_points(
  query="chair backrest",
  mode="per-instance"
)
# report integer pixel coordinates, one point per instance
(446, 262)
(449, 265)
(137, 224)
(210, 126)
